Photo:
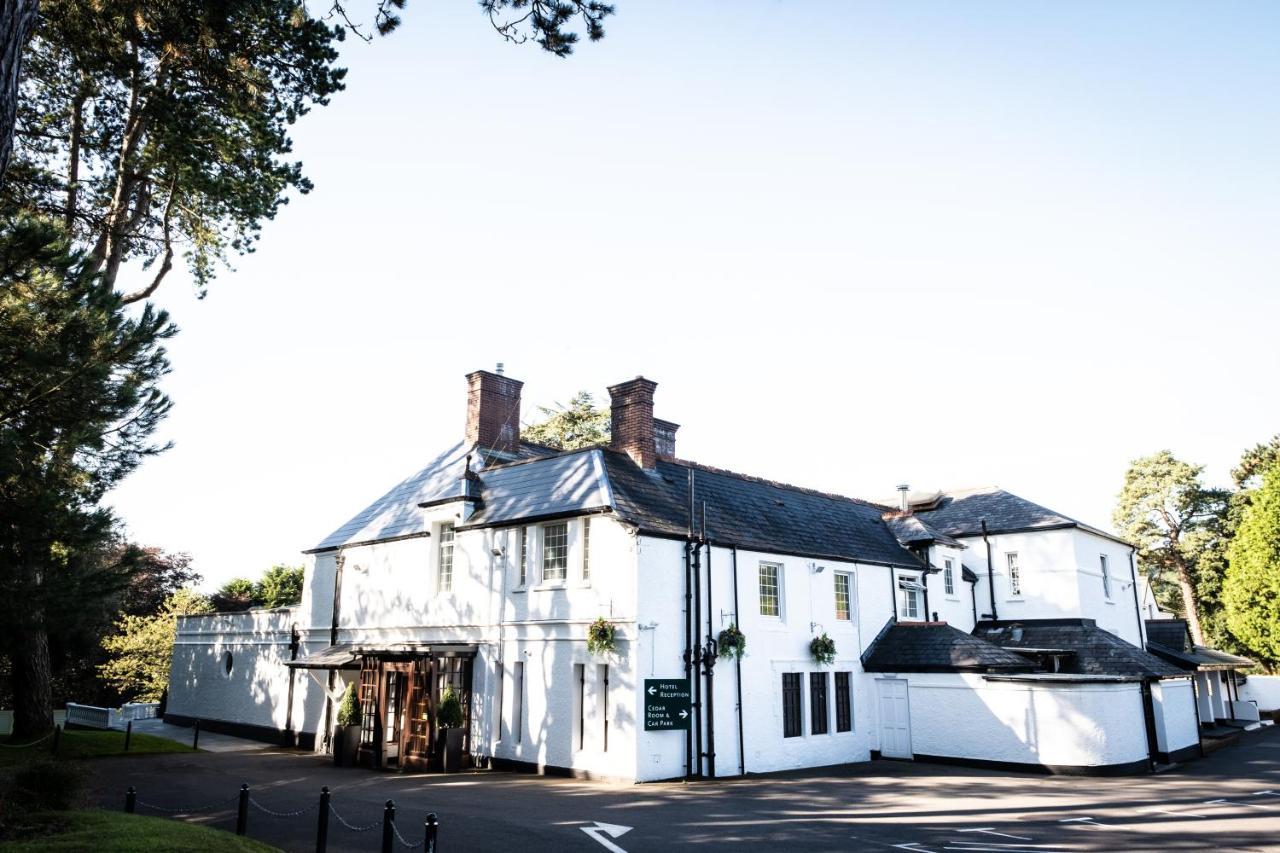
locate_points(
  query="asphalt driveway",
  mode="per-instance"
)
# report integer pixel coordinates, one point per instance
(1228, 801)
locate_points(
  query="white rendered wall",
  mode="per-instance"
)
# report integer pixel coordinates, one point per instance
(1067, 725)
(1177, 726)
(1119, 613)
(955, 609)
(1047, 560)
(255, 692)
(1263, 689)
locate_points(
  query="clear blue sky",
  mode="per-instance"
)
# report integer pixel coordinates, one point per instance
(949, 244)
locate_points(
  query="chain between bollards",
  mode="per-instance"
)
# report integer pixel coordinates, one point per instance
(322, 825)
(131, 800)
(242, 812)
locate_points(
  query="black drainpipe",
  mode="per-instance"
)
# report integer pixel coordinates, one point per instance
(688, 655)
(924, 579)
(1137, 608)
(338, 561)
(737, 620)
(1195, 697)
(709, 662)
(697, 658)
(973, 596)
(1149, 712)
(991, 573)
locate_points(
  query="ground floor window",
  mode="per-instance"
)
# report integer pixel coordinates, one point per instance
(791, 704)
(844, 703)
(818, 703)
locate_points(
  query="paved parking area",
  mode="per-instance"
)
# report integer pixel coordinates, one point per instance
(1229, 801)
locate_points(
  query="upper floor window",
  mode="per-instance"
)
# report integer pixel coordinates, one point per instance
(1015, 574)
(445, 574)
(1106, 576)
(770, 590)
(555, 551)
(524, 556)
(842, 596)
(949, 576)
(910, 603)
(586, 549)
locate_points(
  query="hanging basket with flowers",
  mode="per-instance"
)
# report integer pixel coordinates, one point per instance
(823, 649)
(731, 642)
(601, 637)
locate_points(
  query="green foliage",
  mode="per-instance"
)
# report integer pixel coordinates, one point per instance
(601, 637)
(45, 784)
(731, 643)
(280, 586)
(348, 708)
(450, 713)
(1175, 521)
(235, 594)
(141, 648)
(116, 832)
(1251, 592)
(1255, 462)
(546, 22)
(79, 401)
(580, 424)
(823, 649)
(160, 127)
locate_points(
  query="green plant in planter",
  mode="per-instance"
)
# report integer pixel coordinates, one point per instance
(348, 710)
(601, 637)
(823, 649)
(731, 642)
(450, 713)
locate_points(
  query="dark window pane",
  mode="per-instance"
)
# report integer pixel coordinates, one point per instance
(790, 704)
(844, 703)
(818, 703)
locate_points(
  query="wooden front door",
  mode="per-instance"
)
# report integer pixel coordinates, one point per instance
(895, 718)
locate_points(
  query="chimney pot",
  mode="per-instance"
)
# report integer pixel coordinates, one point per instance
(493, 411)
(903, 503)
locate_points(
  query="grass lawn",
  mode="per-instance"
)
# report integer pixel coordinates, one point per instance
(78, 743)
(117, 832)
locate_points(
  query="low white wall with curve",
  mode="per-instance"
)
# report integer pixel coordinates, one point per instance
(1050, 724)
(230, 667)
(1263, 689)
(1177, 726)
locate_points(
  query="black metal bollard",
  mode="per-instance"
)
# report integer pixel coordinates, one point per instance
(242, 813)
(388, 826)
(128, 735)
(322, 824)
(57, 736)
(429, 842)
(130, 800)
(195, 740)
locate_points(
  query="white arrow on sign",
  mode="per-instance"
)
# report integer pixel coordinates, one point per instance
(613, 830)
(653, 691)
(684, 714)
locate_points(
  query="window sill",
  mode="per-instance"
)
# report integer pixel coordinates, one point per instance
(543, 587)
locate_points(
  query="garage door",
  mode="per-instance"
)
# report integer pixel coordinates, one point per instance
(895, 718)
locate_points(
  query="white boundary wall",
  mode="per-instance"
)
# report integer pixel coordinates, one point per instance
(1263, 689)
(1019, 722)
(1177, 726)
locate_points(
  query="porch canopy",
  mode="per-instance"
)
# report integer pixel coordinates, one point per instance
(348, 655)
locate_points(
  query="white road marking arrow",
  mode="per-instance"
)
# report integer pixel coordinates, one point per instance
(600, 830)
(987, 830)
(653, 691)
(684, 714)
(913, 846)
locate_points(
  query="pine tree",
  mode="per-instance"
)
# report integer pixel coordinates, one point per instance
(579, 424)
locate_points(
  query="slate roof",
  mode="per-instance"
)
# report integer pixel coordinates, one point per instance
(1093, 650)
(1169, 639)
(396, 513)
(913, 530)
(752, 513)
(937, 647)
(745, 511)
(960, 513)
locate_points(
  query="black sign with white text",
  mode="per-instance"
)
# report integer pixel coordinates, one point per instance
(666, 704)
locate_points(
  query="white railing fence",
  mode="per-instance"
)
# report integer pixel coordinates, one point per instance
(139, 711)
(92, 716)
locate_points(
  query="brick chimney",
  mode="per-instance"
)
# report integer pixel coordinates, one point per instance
(664, 438)
(632, 423)
(493, 411)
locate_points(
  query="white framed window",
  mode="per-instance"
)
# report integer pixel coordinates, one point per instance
(948, 576)
(586, 549)
(523, 577)
(910, 603)
(843, 611)
(555, 551)
(1015, 574)
(770, 589)
(444, 562)
(1106, 576)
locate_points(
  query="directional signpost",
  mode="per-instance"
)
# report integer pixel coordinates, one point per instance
(666, 704)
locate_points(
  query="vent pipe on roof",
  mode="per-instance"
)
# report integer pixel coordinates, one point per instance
(903, 503)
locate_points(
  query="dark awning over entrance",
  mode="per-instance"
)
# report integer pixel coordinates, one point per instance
(347, 655)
